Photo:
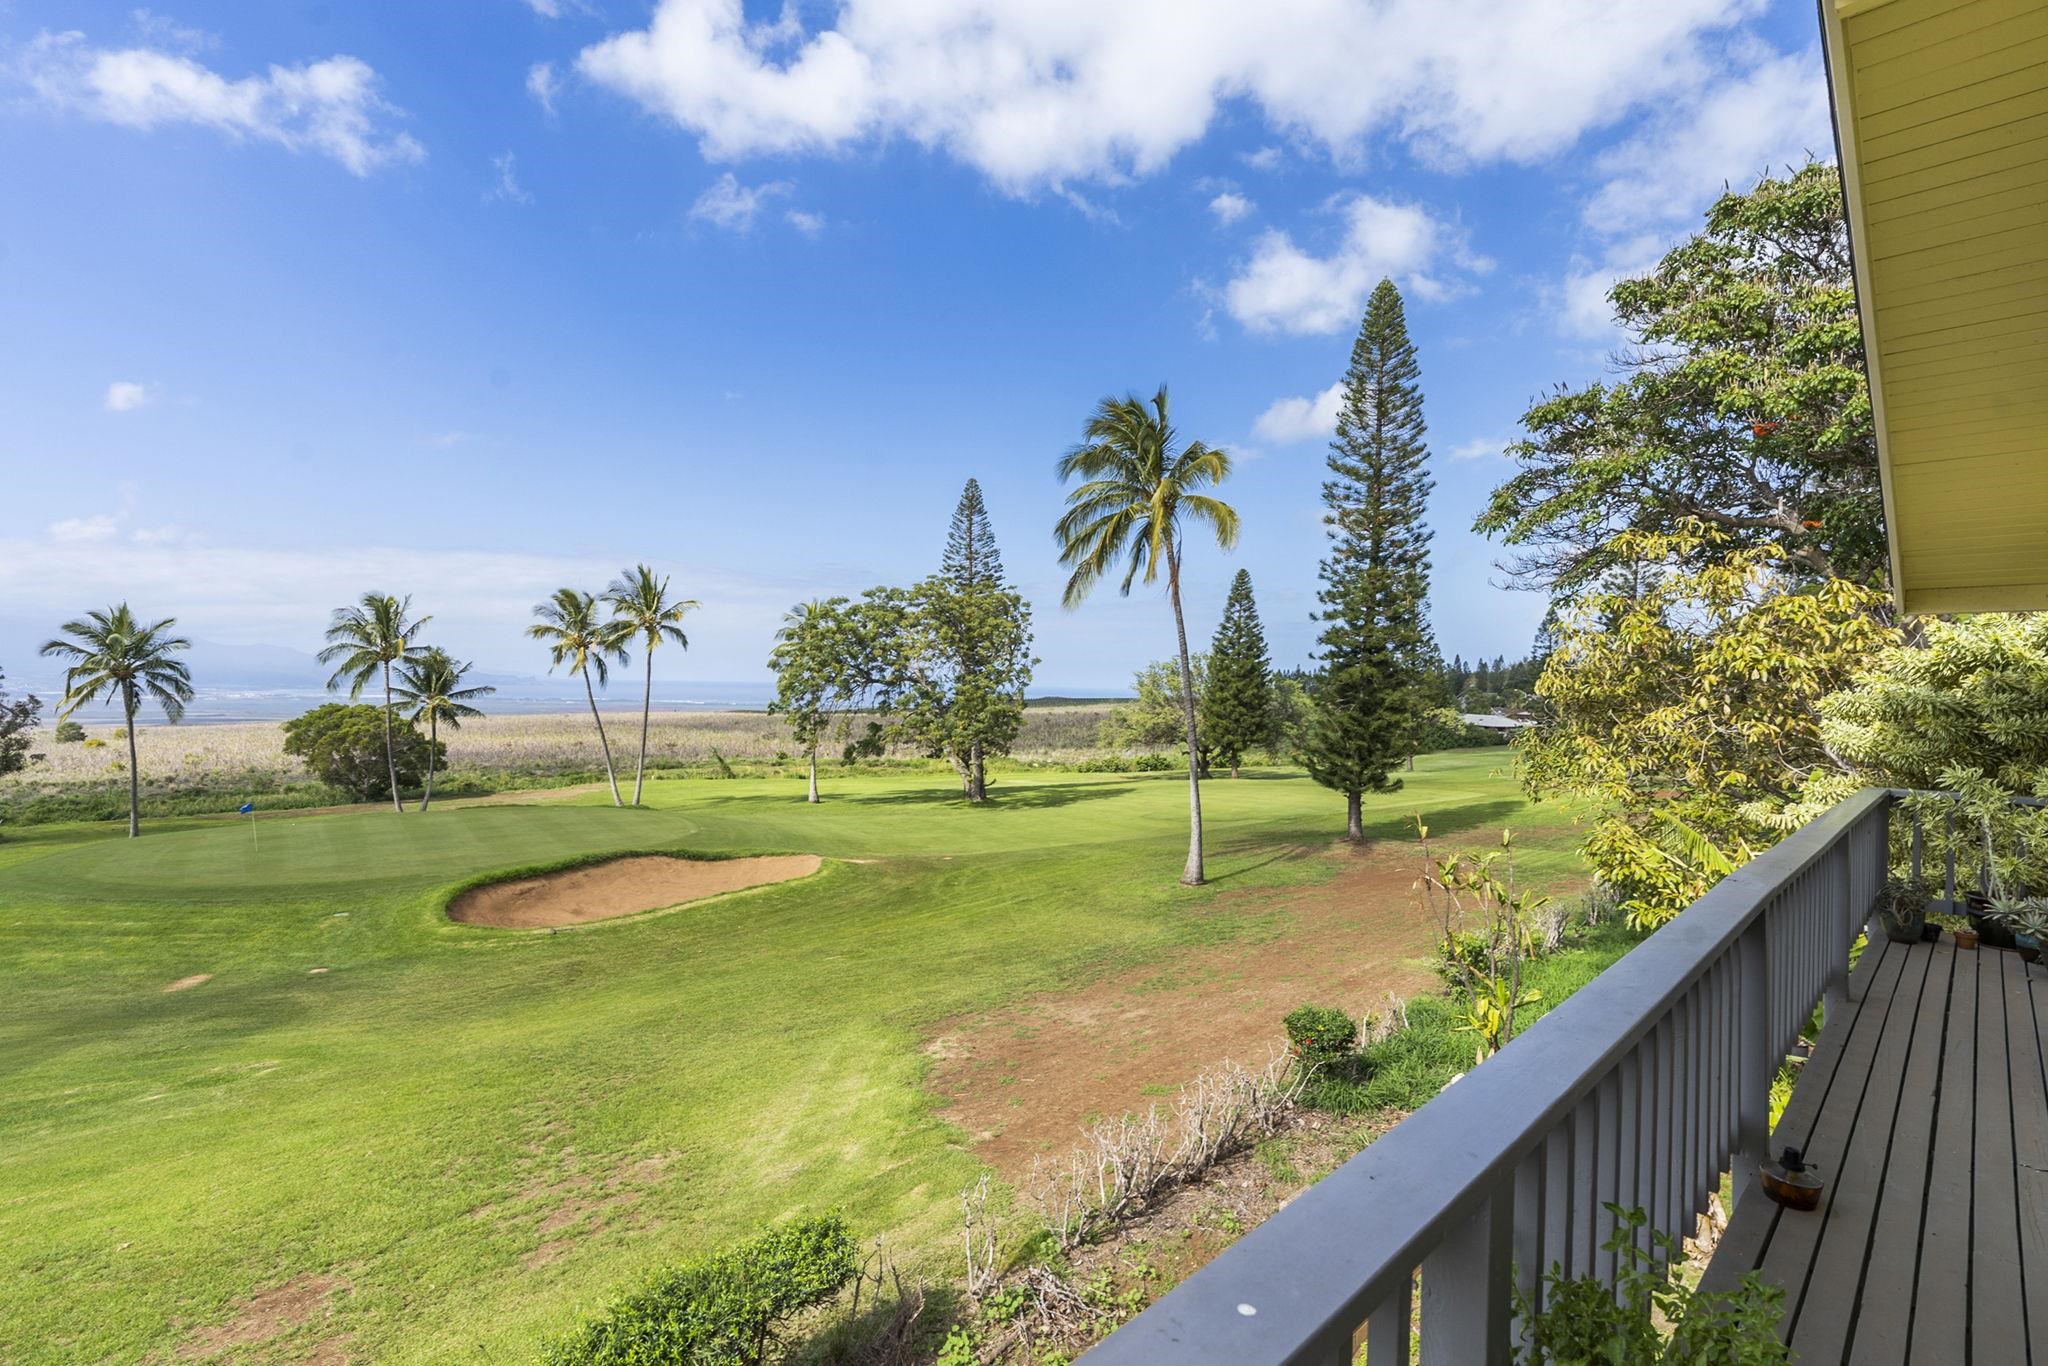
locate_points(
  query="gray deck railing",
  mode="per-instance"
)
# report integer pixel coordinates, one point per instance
(1638, 1090)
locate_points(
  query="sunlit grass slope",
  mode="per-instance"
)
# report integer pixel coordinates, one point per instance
(483, 1130)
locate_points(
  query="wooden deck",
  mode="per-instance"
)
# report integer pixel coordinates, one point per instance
(1925, 1110)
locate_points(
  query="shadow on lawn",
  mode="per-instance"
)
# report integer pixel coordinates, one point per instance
(1034, 797)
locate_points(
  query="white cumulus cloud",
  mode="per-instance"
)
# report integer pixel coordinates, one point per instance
(125, 396)
(331, 107)
(1284, 288)
(1033, 93)
(543, 84)
(809, 224)
(75, 529)
(1292, 419)
(733, 206)
(1229, 207)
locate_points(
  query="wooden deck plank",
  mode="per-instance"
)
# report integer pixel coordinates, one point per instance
(1884, 1309)
(1837, 1237)
(2030, 1141)
(1836, 1145)
(1998, 1321)
(1750, 1227)
(1941, 1302)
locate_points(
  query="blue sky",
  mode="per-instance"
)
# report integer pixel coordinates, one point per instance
(474, 298)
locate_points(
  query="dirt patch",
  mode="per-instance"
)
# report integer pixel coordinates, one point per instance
(1023, 1080)
(267, 1315)
(624, 886)
(187, 983)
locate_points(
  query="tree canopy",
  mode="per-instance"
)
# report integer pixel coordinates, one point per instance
(1237, 705)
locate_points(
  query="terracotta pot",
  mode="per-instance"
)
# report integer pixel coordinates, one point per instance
(1965, 939)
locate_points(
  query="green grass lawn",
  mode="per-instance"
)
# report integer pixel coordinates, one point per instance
(445, 1100)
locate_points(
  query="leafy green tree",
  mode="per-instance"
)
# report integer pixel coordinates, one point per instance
(1686, 704)
(641, 607)
(960, 660)
(430, 686)
(827, 665)
(1139, 485)
(568, 625)
(366, 640)
(67, 732)
(348, 746)
(17, 729)
(1237, 704)
(1742, 403)
(112, 655)
(1158, 714)
(1375, 649)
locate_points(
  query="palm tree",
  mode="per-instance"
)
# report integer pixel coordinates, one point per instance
(368, 639)
(641, 607)
(112, 655)
(431, 685)
(568, 623)
(1139, 485)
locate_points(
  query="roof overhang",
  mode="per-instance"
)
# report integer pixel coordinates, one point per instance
(1941, 119)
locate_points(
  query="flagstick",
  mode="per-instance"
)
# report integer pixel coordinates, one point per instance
(252, 830)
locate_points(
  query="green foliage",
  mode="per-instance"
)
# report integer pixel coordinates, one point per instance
(1442, 728)
(722, 1310)
(1158, 715)
(828, 661)
(1585, 1321)
(17, 728)
(1321, 1035)
(1685, 701)
(1375, 649)
(68, 733)
(1745, 406)
(1237, 701)
(1153, 763)
(343, 745)
(111, 654)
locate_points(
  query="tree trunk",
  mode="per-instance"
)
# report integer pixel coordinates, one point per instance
(1191, 876)
(1233, 770)
(813, 797)
(646, 705)
(390, 756)
(609, 776)
(134, 776)
(978, 761)
(433, 735)
(1354, 816)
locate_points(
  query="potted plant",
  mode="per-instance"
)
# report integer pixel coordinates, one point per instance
(2021, 921)
(1902, 909)
(1959, 928)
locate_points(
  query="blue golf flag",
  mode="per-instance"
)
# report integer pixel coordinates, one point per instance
(246, 809)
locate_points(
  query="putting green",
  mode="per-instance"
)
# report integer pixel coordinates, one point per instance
(479, 1132)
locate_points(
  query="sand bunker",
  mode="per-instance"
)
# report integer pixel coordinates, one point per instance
(625, 886)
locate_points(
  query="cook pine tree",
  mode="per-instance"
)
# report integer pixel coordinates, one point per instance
(1237, 705)
(1375, 647)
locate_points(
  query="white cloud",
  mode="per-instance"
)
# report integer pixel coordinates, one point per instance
(1285, 289)
(555, 9)
(1229, 207)
(75, 529)
(809, 224)
(543, 85)
(1288, 420)
(331, 107)
(733, 206)
(507, 189)
(125, 396)
(1265, 159)
(1034, 94)
(1479, 448)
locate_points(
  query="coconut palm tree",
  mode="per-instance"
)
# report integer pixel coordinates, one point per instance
(1139, 485)
(431, 685)
(114, 656)
(641, 607)
(368, 639)
(574, 635)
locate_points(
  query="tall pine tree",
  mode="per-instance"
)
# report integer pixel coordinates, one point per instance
(972, 560)
(1375, 646)
(1237, 706)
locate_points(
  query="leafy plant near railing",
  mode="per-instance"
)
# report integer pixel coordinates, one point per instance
(1485, 962)
(1585, 1321)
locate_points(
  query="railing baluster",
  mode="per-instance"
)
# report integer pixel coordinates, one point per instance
(1629, 1187)
(1530, 1194)
(1386, 1332)
(1606, 1170)
(1668, 1082)
(1466, 1303)
(1557, 1198)
(1755, 1041)
(1585, 1200)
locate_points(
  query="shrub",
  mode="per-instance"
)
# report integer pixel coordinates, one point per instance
(95, 743)
(1154, 763)
(720, 1310)
(343, 746)
(1321, 1035)
(1109, 763)
(69, 733)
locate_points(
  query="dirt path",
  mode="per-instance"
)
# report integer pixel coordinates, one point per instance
(1023, 1080)
(621, 886)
